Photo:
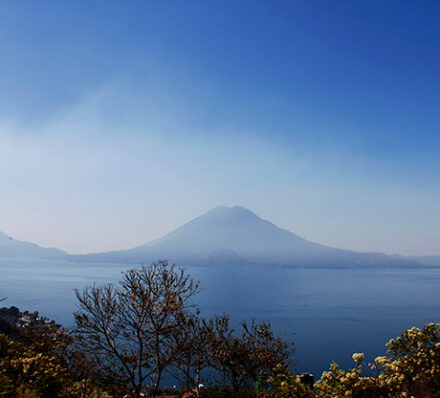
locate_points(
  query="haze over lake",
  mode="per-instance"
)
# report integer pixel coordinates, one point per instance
(329, 313)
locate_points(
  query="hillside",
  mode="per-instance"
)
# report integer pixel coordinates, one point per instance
(12, 248)
(236, 236)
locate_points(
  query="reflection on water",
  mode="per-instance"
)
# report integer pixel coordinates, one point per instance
(329, 313)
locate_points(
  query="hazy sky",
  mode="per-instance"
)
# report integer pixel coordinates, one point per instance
(121, 120)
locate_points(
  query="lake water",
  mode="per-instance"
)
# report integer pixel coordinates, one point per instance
(329, 313)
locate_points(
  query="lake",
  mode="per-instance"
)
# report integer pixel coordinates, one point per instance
(329, 313)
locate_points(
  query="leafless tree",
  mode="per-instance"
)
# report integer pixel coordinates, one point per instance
(135, 328)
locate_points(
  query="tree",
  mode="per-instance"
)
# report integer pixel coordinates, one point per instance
(414, 365)
(43, 363)
(196, 341)
(135, 329)
(40, 372)
(242, 357)
(283, 384)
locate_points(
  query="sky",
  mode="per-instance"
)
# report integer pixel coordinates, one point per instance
(121, 120)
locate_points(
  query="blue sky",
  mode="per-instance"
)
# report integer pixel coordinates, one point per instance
(121, 120)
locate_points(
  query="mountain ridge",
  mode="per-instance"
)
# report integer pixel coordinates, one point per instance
(238, 235)
(12, 248)
(233, 236)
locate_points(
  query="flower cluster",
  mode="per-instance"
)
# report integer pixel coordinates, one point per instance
(412, 369)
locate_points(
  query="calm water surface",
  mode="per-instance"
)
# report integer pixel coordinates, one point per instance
(329, 313)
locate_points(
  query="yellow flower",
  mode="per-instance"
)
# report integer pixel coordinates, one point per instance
(358, 357)
(381, 360)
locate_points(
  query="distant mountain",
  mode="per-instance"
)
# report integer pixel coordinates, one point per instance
(10, 247)
(427, 260)
(424, 260)
(236, 236)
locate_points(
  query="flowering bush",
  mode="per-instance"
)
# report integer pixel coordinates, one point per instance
(285, 385)
(414, 367)
(411, 370)
(347, 383)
